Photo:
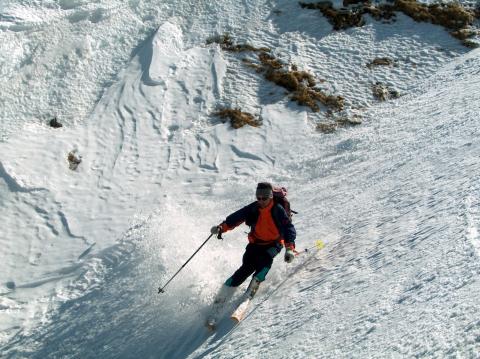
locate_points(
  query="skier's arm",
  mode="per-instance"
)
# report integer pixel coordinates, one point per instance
(236, 218)
(287, 230)
(290, 237)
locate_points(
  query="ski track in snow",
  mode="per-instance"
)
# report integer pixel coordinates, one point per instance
(395, 200)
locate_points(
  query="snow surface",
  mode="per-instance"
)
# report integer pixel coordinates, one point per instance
(83, 251)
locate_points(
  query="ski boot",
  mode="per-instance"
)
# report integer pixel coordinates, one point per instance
(252, 288)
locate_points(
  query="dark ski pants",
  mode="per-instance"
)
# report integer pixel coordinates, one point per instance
(257, 260)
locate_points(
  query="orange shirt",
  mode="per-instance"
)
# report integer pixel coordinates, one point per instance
(265, 229)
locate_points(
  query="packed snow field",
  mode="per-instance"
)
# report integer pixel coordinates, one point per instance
(135, 84)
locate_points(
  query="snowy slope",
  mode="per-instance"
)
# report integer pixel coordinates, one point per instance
(396, 199)
(402, 279)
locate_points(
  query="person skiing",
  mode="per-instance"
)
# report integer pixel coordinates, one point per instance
(270, 230)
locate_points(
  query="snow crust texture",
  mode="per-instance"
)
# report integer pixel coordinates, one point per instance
(84, 247)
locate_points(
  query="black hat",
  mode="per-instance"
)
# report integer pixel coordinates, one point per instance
(264, 189)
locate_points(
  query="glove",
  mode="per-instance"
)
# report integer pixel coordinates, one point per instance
(289, 255)
(216, 230)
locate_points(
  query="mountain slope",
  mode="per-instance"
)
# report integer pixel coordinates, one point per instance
(395, 199)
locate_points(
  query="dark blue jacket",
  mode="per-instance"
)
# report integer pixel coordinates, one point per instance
(250, 213)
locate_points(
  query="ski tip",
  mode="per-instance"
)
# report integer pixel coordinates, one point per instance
(211, 325)
(235, 318)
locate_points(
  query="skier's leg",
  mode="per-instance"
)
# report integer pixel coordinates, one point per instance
(224, 294)
(246, 269)
(221, 299)
(229, 287)
(263, 262)
(262, 257)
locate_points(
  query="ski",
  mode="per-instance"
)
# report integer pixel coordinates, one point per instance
(211, 324)
(215, 315)
(219, 305)
(241, 310)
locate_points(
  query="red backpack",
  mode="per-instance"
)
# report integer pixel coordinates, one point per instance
(280, 197)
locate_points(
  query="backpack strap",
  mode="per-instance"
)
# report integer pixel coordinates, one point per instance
(276, 215)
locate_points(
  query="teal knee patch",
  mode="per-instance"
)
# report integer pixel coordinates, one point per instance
(262, 274)
(228, 282)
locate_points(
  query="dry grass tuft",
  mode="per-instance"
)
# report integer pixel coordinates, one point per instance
(383, 93)
(464, 34)
(327, 128)
(226, 43)
(238, 118)
(380, 61)
(290, 80)
(470, 44)
(355, 2)
(332, 126)
(385, 13)
(73, 160)
(300, 84)
(252, 65)
(340, 19)
(269, 61)
(452, 16)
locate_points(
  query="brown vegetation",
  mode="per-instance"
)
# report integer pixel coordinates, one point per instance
(226, 43)
(327, 127)
(383, 93)
(238, 118)
(330, 127)
(380, 61)
(73, 160)
(464, 34)
(470, 44)
(300, 84)
(355, 2)
(452, 16)
(270, 61)
(340, 19)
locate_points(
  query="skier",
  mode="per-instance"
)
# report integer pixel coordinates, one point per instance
(270, 230)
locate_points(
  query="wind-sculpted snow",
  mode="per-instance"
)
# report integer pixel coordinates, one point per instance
(58, 58)
(395, 199)
(168, 46)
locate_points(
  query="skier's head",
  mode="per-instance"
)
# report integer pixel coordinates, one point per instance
(264, 194)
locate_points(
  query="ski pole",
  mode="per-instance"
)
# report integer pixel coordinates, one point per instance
(161, 289)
